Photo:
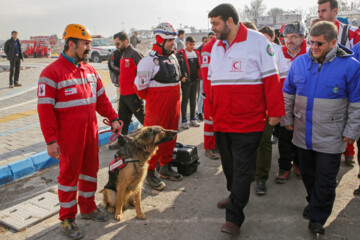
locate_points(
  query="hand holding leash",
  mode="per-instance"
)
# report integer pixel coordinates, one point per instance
(116, 127)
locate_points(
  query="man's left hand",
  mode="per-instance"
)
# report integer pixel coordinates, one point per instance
(274, 120)
(349, 140)
(115, 126)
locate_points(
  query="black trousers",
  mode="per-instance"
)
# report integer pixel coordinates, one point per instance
(287, 150)
(318, 172)
(238, 156)
(129, 105)
(189, 90)
(14, 70)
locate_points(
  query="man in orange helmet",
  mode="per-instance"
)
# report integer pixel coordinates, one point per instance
(70, 92)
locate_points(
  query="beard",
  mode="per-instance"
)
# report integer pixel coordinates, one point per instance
(85, 57)
(224, 33)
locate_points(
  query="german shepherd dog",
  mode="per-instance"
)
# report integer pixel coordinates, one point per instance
(126, 187)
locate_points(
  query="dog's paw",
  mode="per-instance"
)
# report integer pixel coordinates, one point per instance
(111, 209)
(141, 216)
(119, 217)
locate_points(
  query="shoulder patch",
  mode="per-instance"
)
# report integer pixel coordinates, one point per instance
(269, 50)
(156, 61)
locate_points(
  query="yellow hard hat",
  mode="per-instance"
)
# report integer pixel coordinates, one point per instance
(77, 31)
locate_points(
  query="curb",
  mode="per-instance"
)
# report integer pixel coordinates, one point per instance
(41, 160)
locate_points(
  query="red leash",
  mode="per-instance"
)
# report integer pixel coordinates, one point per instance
(117, 133)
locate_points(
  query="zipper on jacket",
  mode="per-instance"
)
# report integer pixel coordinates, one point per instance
(319, 68)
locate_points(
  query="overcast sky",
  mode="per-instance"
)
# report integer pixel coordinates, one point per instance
(106, 17)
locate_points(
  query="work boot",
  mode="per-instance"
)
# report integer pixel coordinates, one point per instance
(349, 160)
(223, 203)
(212, 154)
(230, 228)
(297, 171)
(70, 229)
(11, 85)
(97, 216)
(153, 181)
(282, 176)
(17, 85)
(167, 172)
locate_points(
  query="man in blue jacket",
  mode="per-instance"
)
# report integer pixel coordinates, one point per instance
(322, 102)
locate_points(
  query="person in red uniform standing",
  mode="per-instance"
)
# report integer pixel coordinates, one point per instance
(348, 36)
(245, 90)
(209, 138)
(70, 92)
(157, 82)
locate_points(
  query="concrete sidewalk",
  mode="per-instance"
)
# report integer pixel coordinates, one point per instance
(187, 209)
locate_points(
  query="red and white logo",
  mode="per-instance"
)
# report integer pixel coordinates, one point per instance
(205, 59)
(236, 66)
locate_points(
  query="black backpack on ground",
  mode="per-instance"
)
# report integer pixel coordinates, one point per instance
(185, 159)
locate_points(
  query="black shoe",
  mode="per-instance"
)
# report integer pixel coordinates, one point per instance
(316, 227)
(200, 117)
(260, 188)
(306, 214)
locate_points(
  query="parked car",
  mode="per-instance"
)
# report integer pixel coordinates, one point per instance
(2, 53)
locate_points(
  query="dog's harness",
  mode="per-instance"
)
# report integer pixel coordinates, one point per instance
(114, 168)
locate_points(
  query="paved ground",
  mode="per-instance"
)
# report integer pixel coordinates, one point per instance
(185, 210)
(20, 134)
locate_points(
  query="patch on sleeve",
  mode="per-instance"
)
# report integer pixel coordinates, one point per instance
(269, 50)
(205, 59)
(143, 81)
(42, 90)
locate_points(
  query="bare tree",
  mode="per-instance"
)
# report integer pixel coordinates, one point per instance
(343, 5)
(274, 12)
(254, 10)
(355, 5)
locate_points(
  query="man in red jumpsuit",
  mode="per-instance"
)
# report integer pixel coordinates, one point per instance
(70, 92)
(157, 81)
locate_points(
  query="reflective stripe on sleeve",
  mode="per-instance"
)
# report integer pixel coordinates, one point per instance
(48, 81)
(68, 204)
(46, 101)
(86, 194)
(206, 54)
(204, 65)
(269, 73)
(74, 103)
(87, 178)
(101, 91)
(71, 82)
(144, 73)
(67, 188)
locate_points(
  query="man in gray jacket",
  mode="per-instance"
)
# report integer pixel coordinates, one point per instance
(13, 53)
(322, 103)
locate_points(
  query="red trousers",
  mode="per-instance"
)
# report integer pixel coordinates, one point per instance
(349, 151)
(79, 164)
(209, 138)
(162, 108)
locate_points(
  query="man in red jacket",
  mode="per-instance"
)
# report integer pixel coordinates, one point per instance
(245, 90)
(70, 92)
(129, 102)
(157, 82)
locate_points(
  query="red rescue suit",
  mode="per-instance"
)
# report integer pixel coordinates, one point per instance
(209, 138)
(68, 98)
(161, 91)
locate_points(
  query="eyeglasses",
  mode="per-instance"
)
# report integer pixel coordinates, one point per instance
(318, 44)
(293, 37)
